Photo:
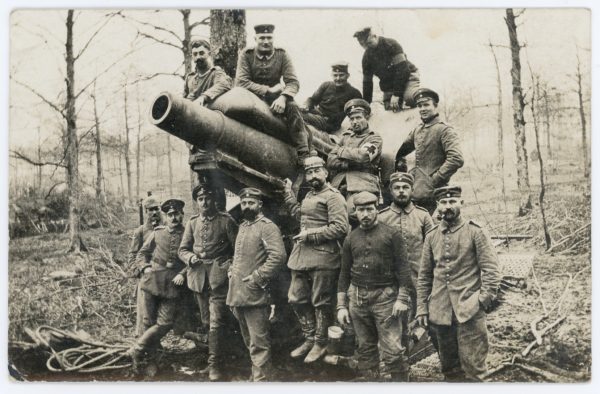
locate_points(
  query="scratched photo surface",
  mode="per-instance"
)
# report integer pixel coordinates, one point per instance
(202, 195)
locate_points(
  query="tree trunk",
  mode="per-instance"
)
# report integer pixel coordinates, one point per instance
(170, 164)
(98, 142)
(138, 149)
(126, 148)
(39, 169)
(185, 44)
(75, 242)
(121, 167)
(584, 145)
(518, 117)
(547, 124)
(227, 37)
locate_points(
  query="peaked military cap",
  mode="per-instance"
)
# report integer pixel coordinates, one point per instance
(150, 202)
(172, 204)
(363, 33)
(447, 192)
(251, 192)
(365, 198)
(340, 67)
(202, 189)
(425, 94)
(264, 29)
(402, 177)
(200, 42)
(313, 162)
(357, 105)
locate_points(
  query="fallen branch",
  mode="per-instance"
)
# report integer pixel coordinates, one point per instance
(568, 237)
(543, 332)
(76, 288)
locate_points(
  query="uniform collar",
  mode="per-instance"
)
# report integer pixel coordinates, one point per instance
(408, 209)
(373, 227)
(455, 226)
(198, 74)
(432, 121)
(265, 57)
(176, 229)
(248, 223)
(207, 218)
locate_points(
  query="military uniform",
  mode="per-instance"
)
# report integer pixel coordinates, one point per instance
(211, 84)
(457, 277)
(258, 72)
(397, 75)
(315, 262)
(210, 240)
(437, 156)
(260, 254)
(374, 275)
(326, 105)
(159, 252)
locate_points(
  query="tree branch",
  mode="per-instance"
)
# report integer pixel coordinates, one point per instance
(203, 22)
(159, 28)
(44, 99)
(93, 36)
(151, 76)
(158, 40)
(18, 155)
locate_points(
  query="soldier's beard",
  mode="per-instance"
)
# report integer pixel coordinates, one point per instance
(201, 64)
(316, 183)
(249, 214)
(402, 201)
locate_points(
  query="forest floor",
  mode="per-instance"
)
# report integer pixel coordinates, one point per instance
(97, 301)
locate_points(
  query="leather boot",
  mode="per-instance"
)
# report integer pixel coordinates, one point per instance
(262, 373)
(400, 376)
(214, 352)
(320, 346)
(306, 318)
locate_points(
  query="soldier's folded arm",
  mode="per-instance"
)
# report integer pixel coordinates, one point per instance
(337, 225)
(221, 85)
(487, 260)
(361, 155)
(454, 158)
(425, 279)
(275, 250)
(243, 77)
(292, 85)
(186, 248)
(334, 162)
(144, 255)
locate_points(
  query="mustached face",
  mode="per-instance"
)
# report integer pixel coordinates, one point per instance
(358, 122)
(316, 177)
(153, 214)
(366, 215)
(449, 208)
(264, 42)
(174, 218)
(250, 208)
(401, 193)
(200, 56)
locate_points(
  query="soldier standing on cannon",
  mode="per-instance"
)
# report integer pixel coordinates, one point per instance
(437, 151)
(315, 258)
(259, 255)
(355, 161)
(162, 277)
(261, 71)
(457, 284)
(140, 235)
(325, 108)
(207, 248)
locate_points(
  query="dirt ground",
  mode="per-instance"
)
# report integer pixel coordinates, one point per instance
(99, 301)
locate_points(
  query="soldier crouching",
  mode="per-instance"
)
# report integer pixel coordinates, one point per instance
(162, 277)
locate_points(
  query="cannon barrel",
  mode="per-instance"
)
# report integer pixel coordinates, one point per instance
(211, 130)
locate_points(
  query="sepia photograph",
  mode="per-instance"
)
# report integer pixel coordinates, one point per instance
(299, 195)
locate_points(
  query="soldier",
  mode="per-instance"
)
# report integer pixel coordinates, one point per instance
(207, 249)
(315, 258)
(153, 219)
(355, 161)
(325, 108)
(375, 277)
(412, 220)
(259, 255)
(384, 58)
(207, 81)
(437, 151)
(457, 284)
(261, 71)
(162, 277)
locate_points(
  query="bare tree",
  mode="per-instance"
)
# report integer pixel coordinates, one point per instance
(227, 37)
(580, 99)
(98, 143)
(518, 116)
(126, 144)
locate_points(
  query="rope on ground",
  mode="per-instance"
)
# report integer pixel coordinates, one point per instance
(73, 353)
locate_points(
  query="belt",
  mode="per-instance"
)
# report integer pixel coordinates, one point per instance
(161, 267)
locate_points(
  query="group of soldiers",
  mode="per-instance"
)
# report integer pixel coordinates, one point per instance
(373, 271)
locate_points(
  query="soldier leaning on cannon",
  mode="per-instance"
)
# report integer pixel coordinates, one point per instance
(140, 234)
(261, 71)
(315, 258)
(325, 108)
(259, 255)
(375, 277)
(457, 284)
(385, 59)
(354, 163)
(437, 151)
(162, 276)
(207, 248)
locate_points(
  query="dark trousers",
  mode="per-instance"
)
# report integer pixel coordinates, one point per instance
(379, 336)
(159, 316)
(300, 135)
(255, 327)
(218, 309)
(202, 299)
(315, 287)
(319, 121)
(463, 348)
